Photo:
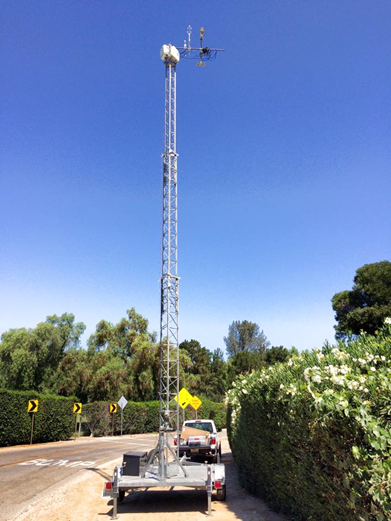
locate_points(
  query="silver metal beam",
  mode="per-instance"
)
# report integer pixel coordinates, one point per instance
(169, 315)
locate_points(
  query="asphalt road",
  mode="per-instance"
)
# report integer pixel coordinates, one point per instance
(28, 472)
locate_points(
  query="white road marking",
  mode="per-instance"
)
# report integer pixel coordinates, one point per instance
(133, 443)
(58, 463)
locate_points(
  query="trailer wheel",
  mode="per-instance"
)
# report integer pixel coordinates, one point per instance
(121, 496)
(221, 494)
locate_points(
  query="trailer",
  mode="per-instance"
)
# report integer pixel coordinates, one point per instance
(199, 476)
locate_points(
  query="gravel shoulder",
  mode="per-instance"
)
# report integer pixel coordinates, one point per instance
(81, 499)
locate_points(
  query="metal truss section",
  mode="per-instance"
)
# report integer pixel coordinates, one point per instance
(169, 344)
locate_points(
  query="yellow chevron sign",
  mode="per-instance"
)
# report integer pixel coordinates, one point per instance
(32, 406)
(113, 408)
(77, 407)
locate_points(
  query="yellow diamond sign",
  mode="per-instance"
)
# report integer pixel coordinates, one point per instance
(184, 398)
(195, 402)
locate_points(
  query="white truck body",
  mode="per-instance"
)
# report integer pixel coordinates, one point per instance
(206, 442)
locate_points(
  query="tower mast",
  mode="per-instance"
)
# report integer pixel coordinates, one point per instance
(169, 295)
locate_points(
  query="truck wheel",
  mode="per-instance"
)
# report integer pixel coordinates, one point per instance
(220, 451)
(221, 494)
(121, 496)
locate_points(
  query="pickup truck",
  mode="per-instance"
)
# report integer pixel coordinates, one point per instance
(204, 442)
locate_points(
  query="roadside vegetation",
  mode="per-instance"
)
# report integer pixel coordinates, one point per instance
(312, 435)
(123, 359)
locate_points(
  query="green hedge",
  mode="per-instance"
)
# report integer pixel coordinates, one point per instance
(139, 417)
(54, 420)
(313, 435)
(212, 411)
(142, 417)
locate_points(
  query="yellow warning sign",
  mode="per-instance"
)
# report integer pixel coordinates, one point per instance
(113, 408)
(77, 407)
(184, 398)
(195, 402)
(32, 406)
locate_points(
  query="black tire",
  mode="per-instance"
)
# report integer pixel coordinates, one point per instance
(220, 452)
(121, 496)
(221, 494)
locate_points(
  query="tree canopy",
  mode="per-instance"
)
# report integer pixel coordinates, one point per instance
(123, 358)
(245, 336)
(367, 304)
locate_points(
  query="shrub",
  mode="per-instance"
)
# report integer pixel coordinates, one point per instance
(313, 436)
(213, 411)
(142, 417)
(139, 417)
(54, 420)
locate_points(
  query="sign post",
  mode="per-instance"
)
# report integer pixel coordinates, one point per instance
(113, 408)
(77, 407)
(32, 408)
(122, 402)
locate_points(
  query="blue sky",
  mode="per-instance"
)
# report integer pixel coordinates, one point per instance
(284, 161)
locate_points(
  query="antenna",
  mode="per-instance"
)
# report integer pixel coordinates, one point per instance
(201, 53)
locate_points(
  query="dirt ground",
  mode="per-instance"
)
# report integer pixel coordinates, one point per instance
(81, 500)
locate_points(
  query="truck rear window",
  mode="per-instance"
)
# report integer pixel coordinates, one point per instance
(199, 425)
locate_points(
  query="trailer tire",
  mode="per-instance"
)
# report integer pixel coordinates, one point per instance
(221, 494)
(121, 496)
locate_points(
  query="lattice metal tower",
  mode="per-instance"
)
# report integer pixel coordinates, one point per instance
(169, 313)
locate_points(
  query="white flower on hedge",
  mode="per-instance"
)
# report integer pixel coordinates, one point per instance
(244, 382)
(338, 380)
(290, 362)
(317, 378)
(318, 400)
(373, 369)
(320, 356)
(383, 358)
(366, 390)
(282, 386)
(387, 320)
(244, 391)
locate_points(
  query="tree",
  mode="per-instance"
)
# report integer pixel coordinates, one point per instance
(121, 339)
(245, 336)
(29, 358)
(367, 304)
(244, 362)
(70, 332)
(277, 354)
(218, 376)
(199, 356)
